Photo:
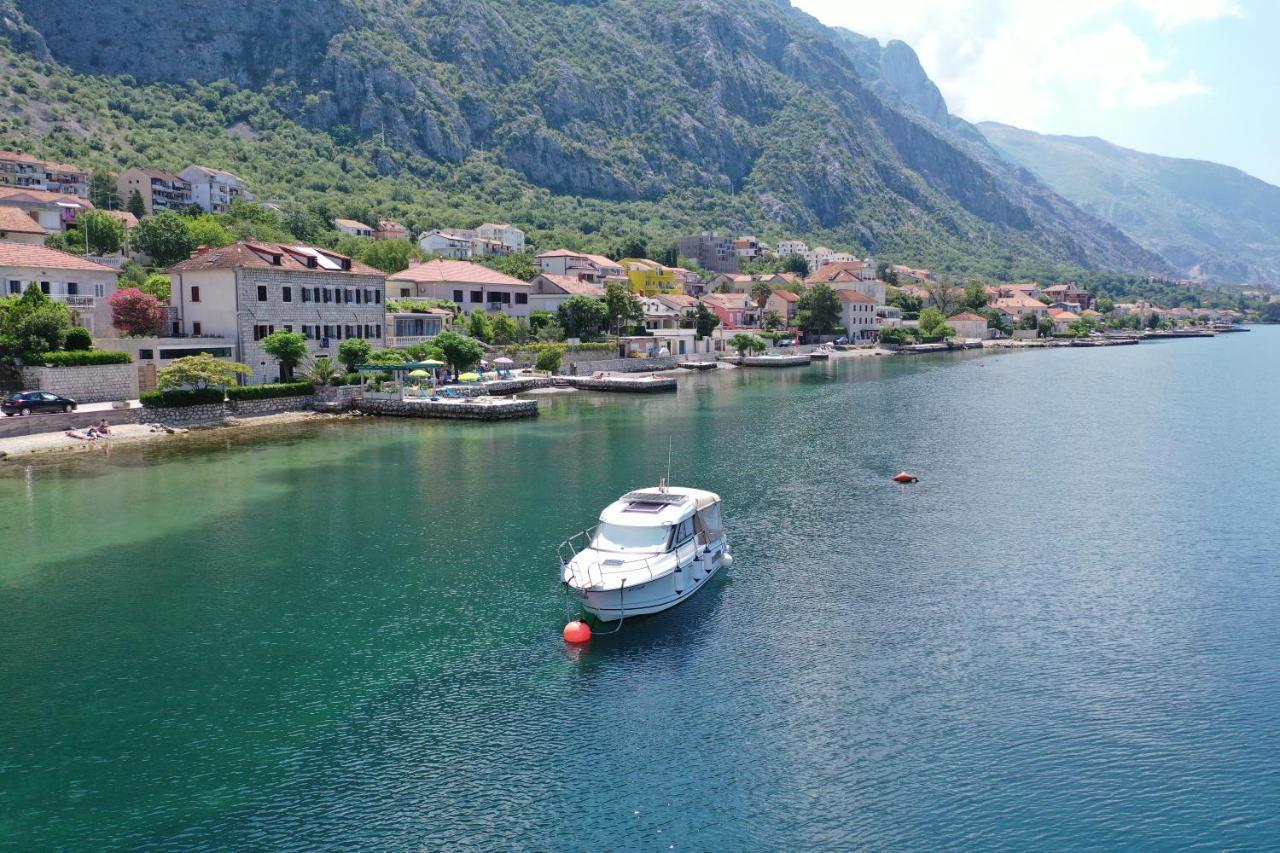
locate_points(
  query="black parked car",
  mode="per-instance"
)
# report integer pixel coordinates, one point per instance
(26, 402)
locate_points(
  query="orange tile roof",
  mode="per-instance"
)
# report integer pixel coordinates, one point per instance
(245, 255)
(129, 220)
(13, 219)
(22, 255)
(831, 270)
(968, 317)
(19, 195)
(351, 223)
(855, 297)
(786, 295)
(443, 271)
(573, 284)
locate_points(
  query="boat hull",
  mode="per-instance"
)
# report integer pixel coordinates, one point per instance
(610, 605)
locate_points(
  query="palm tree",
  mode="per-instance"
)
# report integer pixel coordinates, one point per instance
(760, 293)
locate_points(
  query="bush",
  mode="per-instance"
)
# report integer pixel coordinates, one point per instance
(178, 398)
(78, 339)
(84, 358)
(549, 359)
(268, 392)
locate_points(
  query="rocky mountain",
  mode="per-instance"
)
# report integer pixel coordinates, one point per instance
(731, 113)
(1210, 221)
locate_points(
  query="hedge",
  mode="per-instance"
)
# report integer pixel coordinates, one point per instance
(177, 398)
(84, 358)
(536, 348)
(268, 392)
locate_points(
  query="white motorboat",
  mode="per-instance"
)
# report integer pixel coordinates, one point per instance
(651, 550)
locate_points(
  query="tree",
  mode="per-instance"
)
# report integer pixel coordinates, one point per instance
(207, 230)
(478, 326)
(288, 348)
(975, 296)
(103, 232)
(1106, 304)
(518, 265)
(461, 353)
(997, 320)
(503, 329)
(390, 256)
(933, 324)
(523, 332)
(354, 351)
(165, 238)
(631, 247)
(796, 264)
(199, 371)
(158, 286)
(32, 324)
(621, 306)
(704, 320)
(104, 193)
(744, 342)
(944, 294)
(908, 303)
(77, 338)
(322, 371)
(897, 335)
(760, 293)
(136, 205)
(549, 358)
(1270, 312)
(581, 316)
(538, 319)
(136, 313)
(1044, 327)
(552, 332)
(772, 320)
(886, 273)
(818, 311)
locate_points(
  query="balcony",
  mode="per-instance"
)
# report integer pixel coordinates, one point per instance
(74, 301)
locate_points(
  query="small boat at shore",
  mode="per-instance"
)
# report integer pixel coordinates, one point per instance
(651, 550)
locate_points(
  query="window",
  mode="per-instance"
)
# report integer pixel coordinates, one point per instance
(288, 327)
(618, 537)
(262, 293)
(15, 286)
(350, 330)
(359, 296)
(477, 296)
(195, 294)
(44, 287)
(306, 294)
(457, 296)
(349, 298)
(377, 297)
(684, 532)
(404, 293)
(196, 328)
(73, 289)
(328, 297)
(286, 294)
(522, 299)
(315, 296)
(377, 331)
(145, 354)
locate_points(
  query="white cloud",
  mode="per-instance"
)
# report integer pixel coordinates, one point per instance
(1016, 60)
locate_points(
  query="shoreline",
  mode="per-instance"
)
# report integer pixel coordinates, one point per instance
(54, 444)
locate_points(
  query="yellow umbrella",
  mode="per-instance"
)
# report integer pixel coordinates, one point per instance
(469, 377)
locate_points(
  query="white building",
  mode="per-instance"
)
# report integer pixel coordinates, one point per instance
(969, 326)
(80, 284)
(447, 244)
(462, 244)
(468, 285)
(54, 211)
(858, 315)
(509, 237)
(214, 190)
(353, 227)
(549, 291)
(594, 268)
(792, 247)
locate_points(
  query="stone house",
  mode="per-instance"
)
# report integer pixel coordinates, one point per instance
(969, 325)
(246, 291)
(80, 284)
(858, 315)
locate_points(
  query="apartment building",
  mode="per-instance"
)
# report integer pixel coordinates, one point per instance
(80, 284)
(160, 190)
(468, 285)
(215, 190)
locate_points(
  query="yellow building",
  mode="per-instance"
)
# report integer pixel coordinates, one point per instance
(649, 278)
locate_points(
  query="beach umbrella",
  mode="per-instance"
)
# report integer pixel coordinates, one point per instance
(503, 360)
(469, 377)
(432, 363)
(419, 374)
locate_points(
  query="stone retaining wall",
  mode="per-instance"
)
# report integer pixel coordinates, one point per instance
(99, 383)
(775, 360)
(270, 406)
(206, 414)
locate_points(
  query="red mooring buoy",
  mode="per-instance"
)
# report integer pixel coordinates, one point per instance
(577, 632)
(904, 477)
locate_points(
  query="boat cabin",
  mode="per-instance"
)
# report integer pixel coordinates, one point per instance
(656, 522)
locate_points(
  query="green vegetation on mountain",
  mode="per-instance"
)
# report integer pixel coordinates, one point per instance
(583, 122)
(1209, 221)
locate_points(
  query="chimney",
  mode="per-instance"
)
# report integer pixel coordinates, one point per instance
(200, 250)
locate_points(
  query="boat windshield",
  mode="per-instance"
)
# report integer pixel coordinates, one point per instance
(619, 537)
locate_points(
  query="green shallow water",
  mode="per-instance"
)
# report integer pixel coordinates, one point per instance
(347, 635)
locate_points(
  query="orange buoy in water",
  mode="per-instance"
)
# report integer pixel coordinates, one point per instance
(577, 631)
(904, 477)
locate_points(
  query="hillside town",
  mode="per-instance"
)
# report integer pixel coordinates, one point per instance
(228, 297)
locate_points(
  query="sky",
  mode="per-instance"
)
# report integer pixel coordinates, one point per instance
(1184, 78)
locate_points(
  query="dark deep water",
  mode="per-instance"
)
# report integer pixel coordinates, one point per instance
(347, 636)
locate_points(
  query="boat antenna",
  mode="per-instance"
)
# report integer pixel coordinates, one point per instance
(668, 480)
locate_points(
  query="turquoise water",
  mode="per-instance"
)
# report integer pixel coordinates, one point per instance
(1065, 636)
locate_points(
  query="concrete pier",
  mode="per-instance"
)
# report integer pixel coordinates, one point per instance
(635, 384)
(775, 360)
(470, 409)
